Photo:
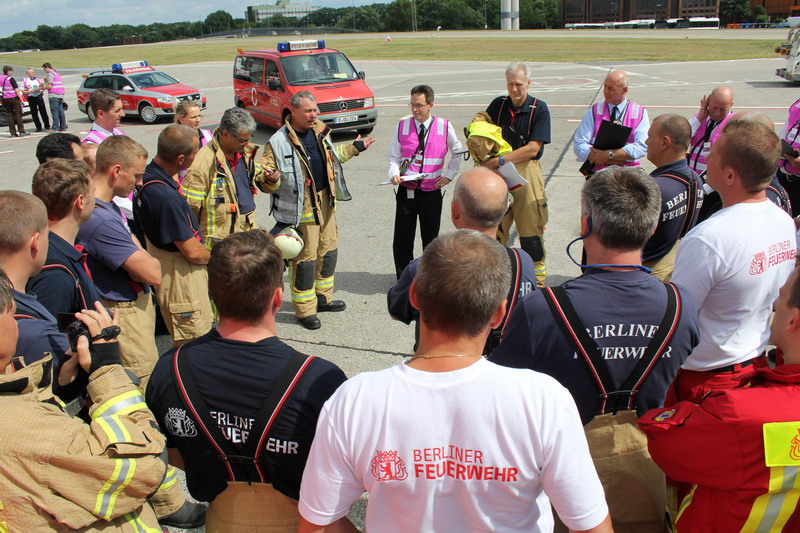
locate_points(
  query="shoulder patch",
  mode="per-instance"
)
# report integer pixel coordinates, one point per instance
(782, 444)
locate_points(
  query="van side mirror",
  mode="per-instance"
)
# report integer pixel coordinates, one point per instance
(362, 74)
(273, 85)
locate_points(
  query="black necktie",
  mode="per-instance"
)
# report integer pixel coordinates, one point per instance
(709, 130)
(614, 114)
(421, 137)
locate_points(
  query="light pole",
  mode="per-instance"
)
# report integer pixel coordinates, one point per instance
(485, 19)
(354, 15)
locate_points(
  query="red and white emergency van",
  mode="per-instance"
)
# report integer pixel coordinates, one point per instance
(264, 82)
(145, 92)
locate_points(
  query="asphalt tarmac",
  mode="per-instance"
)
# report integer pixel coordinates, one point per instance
(364, 337)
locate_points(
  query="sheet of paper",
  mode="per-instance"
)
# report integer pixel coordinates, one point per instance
(513, 178)
(408, 177)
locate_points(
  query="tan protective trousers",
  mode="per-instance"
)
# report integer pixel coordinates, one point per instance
(311, 272)
(529, 213)
(182, 296)
(252, 508)
(662, 268)
(634, 485)
(137, 341)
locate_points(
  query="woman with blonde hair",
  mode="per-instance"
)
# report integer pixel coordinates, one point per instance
(188, 113)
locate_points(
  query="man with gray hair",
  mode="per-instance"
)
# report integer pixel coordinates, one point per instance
(479, 202)
(615, 337)
(525, 121)
(475, 446)
(219, 185)
(302, 170)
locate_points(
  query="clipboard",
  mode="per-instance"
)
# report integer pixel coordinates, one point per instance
(787, 148)
(610, 136)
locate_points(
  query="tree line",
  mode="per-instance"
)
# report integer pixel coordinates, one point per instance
(399, 15)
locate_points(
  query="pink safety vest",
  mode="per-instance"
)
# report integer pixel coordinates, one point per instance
(631, 118)
(433, 155)
(58, 87)
(205, 137)
(27, 84)
(96, 137)
(8, 89)
(699, 150)
(792, 136)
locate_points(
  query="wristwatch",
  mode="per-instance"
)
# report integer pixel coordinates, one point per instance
(611, 154)
(502, 160)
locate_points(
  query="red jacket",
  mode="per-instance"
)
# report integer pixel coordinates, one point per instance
(741, 450)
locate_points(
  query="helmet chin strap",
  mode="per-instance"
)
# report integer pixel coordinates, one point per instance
(600, 265)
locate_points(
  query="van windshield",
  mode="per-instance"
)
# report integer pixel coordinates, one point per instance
(317, 68)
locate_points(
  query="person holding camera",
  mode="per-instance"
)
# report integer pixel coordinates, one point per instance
(61, 472)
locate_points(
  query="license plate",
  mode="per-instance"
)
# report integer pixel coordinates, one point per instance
(342, 120)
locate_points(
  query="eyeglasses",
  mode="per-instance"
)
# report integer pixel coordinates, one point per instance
(418, 106)
(242, 141)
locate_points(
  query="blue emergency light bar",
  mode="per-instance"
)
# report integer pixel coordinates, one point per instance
(293, 46)
(117, 67)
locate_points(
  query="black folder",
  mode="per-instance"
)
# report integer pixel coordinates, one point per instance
(610, 136)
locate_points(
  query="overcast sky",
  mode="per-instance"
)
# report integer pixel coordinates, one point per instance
(19, 15)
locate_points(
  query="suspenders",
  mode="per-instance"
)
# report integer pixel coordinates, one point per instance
(246, 463)
(510, 126)
(496, 335)
(613, 399)
(691, 205)
(78, 287)
(783, 197)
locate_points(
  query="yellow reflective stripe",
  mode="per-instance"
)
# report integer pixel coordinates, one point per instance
(307, 217)
(685, 503)
(137, 524)
(772, 510)
(114, 405)
(341, 153)
(3, 525)
(107, 497)
(303, 296)
(194, 193)
(324, 283)
(170, 478)
(540, 269)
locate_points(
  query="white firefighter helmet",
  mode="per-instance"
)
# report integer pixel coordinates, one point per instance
(289, 243)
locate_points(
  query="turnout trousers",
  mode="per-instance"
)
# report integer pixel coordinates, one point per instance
(529, 214)
(311, 272)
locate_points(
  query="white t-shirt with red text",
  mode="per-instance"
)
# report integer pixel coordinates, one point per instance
(476, 449)
(734, 263)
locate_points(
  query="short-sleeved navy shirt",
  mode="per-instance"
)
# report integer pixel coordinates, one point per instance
(109, 243)
(309, 140)
(674, 208)
(517, 131)
(244, 194)
(162, 212)
(622, 311)
(56, 288)
(234, 379)
(38, 331)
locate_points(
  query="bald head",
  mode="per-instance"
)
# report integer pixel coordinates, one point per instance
(615, 87)
(753, 116)
(720, 102)
(480, 200)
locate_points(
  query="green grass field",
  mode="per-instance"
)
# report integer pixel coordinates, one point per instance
(538, 49)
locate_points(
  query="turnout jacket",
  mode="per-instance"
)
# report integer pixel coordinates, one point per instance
(741, 450)
(59, 473)
(210, 190)
(286, 153)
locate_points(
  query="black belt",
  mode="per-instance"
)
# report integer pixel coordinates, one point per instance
(791, 178)
(737, 366)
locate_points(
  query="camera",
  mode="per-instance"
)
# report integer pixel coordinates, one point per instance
(72, 328)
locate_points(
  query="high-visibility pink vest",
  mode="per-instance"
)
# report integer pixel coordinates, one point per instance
(433, 155)
(699, 150)
(8, 89)
(631, 117)
(58, 88)
(792, 137)
(205, 137)
(96, 136)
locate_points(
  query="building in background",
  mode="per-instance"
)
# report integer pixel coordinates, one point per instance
(287, 8)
